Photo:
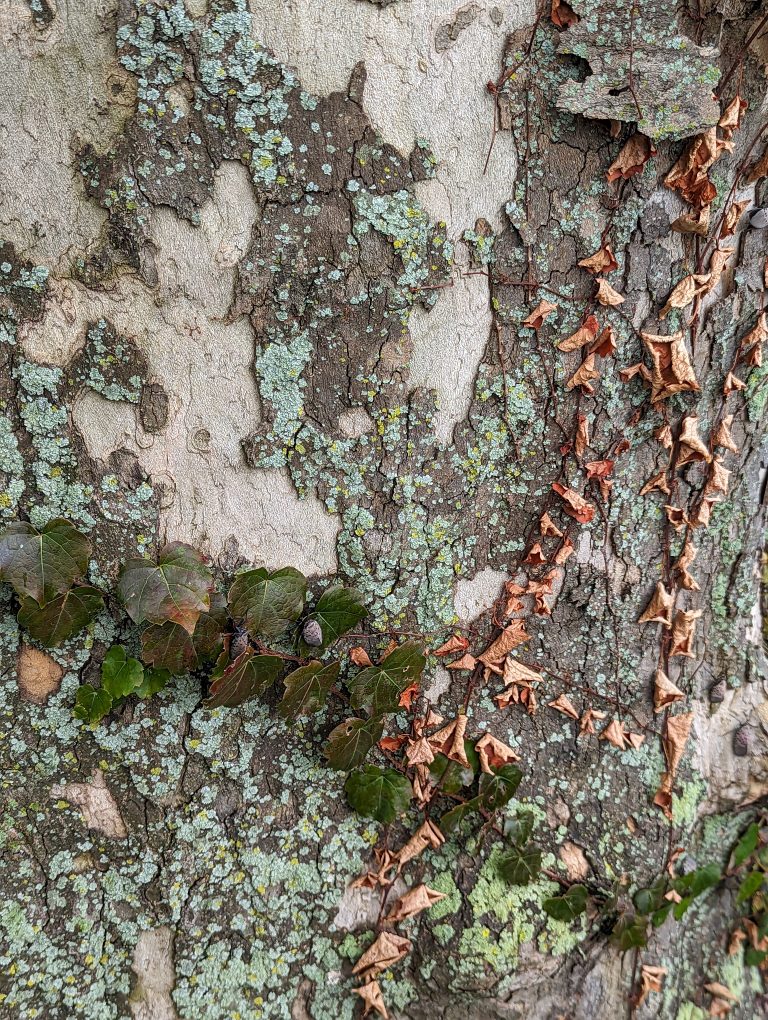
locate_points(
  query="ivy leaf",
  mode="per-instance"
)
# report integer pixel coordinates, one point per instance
(176, 588)
(268, 602)
(378, 793)
(379, 687)
(498, 789)
(749, 886)
(337, 611)
(169, 646)
(350, 742)
(520, 865)
(247, 677)
(568, 906)
(694, 884)
(746, 846)
(62, 617)
(519, 829)
(154, 680)
(650, 899)
(307, 688)
(452, 819)
(91, 703)
(42, 564)
(453, 776)
(630, 932)
(120, 675)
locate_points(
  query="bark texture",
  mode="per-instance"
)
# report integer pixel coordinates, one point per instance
(260, 293)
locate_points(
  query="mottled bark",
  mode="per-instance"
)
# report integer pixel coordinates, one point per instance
(263, 290)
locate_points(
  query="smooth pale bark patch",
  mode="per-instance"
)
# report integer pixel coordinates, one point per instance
(152, 963)
(97, 805)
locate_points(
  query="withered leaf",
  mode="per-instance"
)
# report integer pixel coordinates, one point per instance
(601, 262)
(689, 175)
(419, 752)
(455, 643)
(385, 952)
(542, 310)
(513, 635)
(371, 995)
(585, 334)
(466, 662)
(665, 693)
(651, 979)
(718, 479)
(421, 897)
(632, 370)
(359, 656)
(676, 517)
(759, 168)
(517, 672)
(632, 158)
(564, 705)
(548, 528)
(584, 375)
(731, 117)
(587, 721)
(701, 515)
(684, 632)
(694, 222)
(427, 835)
(664, 435)
(494, 753)
(582, 435)
(658, 481)
(575, 505)
(535, 557)
(562, 14)
(606, 295)
(449, 740)
(686, 558)
(732, 383)
(732, 217)
(659, 609)
(685, 291)
(723, 435)
(675, 738)
(566, 550)
(672, 370)
(605, 344)
(692, 446)
(614, 734)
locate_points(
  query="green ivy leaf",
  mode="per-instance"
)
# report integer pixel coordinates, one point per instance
(452, 776)
(350, 742)
(176, 588)
(378, 793)
(630, 932)
(746, 846)
(568, 906)
(62, 617)
(169, 646)
(648, 900)
(378, 688)
(694, 884)
(91, 703)
(247, 677)
(754, 957)
(154, 680)
(306, 688)
(499, 788)
(520, 865)
(42, 564)
(749, 886)
(452, 819)
(268, 602)
(519, 829)
(337, 611)
(120, 675)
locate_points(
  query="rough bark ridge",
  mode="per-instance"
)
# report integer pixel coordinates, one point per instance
(229, 229)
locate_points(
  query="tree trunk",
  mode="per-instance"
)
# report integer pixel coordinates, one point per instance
(268, 281)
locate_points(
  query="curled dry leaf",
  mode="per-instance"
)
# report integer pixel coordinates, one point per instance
(692, 446)
(664, 435)
(536, 318)
(384, 953)
(419, 752)
(731, 117)
(723, 435)
(732, 384)
(454, 644)
(466, 662)
(535, 557)
(614, 734)
(758, 334)
(494, 753)
(665, 693)
(564, 705)
(575, 505)
(585, 334)
(421, 897)
(632, 370)
(732, 217)
(548, 528)
(658, 481)
(689, 175)
(676, 517)
(701, 515)
(605, 343)
(684, 632)
(672, 370)
(562, 14)
(651, 980)
(717, 264)
(686, 558)
(449, 740)
(372, 998)
(359, 656)
(601, 262)
(566, 550)
(685, 291)
(517, 672)
(426, 836)
(659, 609)
(582, 435)
(584, 376)
(513, 635)
(606, 295)
(718, 479)
(694, 222)
(587, 721)
(759, 168)
(632, 158)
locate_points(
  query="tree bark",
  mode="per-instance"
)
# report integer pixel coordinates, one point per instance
(264, 283)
